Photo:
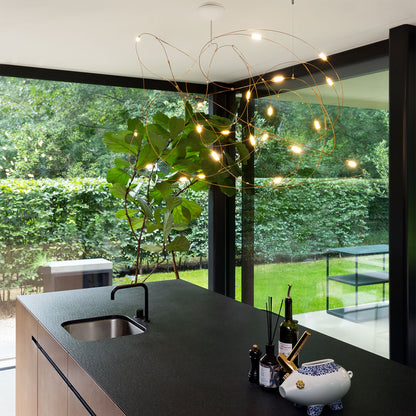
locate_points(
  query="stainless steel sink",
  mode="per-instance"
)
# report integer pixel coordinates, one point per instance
(94, 329)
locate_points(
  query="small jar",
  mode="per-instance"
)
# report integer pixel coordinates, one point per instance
(269, 370)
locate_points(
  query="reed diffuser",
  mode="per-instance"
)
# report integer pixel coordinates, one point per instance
(269, 367)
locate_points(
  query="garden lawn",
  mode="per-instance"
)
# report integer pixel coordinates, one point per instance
(308, 281)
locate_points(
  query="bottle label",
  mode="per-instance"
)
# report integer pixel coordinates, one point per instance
(285, 348)
(269, 376)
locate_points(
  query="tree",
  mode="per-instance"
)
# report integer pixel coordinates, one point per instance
(54, 129)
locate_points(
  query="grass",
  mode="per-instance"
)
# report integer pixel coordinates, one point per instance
(308, 280)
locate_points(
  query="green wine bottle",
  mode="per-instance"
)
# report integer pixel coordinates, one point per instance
(289, 330)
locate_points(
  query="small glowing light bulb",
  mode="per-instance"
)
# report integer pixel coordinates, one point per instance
(270, 111)
(252, 140)
(183, 179)
(201, 176)
(138, 39)
(149, 166)
(199, 128)
(352, 163)
(278, 78)
(248, 95)
(200, 104)
(323, 56)
(264, 137)
(215, 155)
(296, 149)
(277, 180)
(329, 81)
(317, 125)
(256, 36)
(135, 133)
(225, 132)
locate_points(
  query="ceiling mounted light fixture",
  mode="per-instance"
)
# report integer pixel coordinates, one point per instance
(314, 75)
(211, 11)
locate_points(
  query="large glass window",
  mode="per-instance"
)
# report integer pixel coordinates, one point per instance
(325, 231)
(55, 203)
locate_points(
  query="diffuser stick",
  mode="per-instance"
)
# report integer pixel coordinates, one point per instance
(277, 321)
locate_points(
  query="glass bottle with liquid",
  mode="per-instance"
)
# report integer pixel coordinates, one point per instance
(289, 331)
(269, 369)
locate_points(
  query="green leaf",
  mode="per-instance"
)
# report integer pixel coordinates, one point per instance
(117, 175)
(194, 208)
(151, 226)
(243, 151)
(152, 247)
(158, 216)
(180, 243)
(181, 226)
(136, 222)
(162, 119)
(186, 165)
(200, 186)
(176, 125)
(192, 141)
(158, 137)
(144, 207)
(208, 137)
(167, 225)
(220, 123)
(181, 215)
(133, 124)
(147, 155)
(189, 112)
(119, 190)
(173, 201)
(121, 213)
(117, 144)
(164, 188)
(121, 163)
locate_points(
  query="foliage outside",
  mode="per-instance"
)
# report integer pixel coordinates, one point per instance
(72, 219)
(156, 164)
(51, 133)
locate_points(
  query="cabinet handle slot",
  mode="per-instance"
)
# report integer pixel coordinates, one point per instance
(64, 378)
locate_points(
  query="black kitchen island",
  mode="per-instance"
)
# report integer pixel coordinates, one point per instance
(193, 358)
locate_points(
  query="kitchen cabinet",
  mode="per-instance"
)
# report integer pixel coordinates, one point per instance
(43, 384)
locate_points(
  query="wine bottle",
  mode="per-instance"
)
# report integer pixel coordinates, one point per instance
(288, 329)
(269, 370)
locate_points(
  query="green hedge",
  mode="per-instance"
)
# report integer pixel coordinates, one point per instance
(53, 219)
(47, 219)
(302, 221)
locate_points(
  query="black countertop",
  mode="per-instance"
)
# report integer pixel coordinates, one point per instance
(193, 360)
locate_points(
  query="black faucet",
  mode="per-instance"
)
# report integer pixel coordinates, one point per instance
(139, 312)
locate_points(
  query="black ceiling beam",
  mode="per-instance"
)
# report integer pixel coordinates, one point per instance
(353, 62)
(98, 79)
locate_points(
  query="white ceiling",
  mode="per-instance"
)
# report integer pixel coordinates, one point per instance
(98, 36)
